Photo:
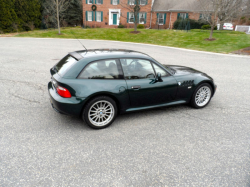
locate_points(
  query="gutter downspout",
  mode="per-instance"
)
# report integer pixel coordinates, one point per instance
(151, 14)
(170, 20)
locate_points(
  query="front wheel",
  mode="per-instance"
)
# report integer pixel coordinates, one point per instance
(100, 112)
(202, 96)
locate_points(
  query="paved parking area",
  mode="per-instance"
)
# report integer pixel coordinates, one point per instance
(173, 146)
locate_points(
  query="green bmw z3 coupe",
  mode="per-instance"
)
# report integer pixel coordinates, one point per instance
(99, 84)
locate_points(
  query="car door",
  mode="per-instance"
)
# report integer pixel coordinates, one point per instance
(143, 88)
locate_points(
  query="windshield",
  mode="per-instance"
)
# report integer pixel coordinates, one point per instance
(64, 64)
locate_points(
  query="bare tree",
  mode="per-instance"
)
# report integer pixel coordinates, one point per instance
(134, 7)
(54, 10)
(210, 13)
(228, 10)
(215, 11)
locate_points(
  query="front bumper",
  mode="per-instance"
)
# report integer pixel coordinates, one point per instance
(68, 106)
(215, 88)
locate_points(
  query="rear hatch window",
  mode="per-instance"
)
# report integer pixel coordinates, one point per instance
(65, 64)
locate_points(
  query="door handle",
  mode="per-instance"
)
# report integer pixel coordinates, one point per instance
(136, 87)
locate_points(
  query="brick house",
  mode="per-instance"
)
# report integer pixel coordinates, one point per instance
(153, 14)
(166, 12)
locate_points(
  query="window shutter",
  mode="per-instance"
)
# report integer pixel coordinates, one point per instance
(102, 2)
(127, 17)
(92, 15)
(146, 2)
(165, 17)
(95, 16)
(145, 19)
(86, 16)
(118, 1)
(111, 2)
(138, 18)
(86, 1)
(95, 1)
(157, 17)
(186, 15)
(178, 15)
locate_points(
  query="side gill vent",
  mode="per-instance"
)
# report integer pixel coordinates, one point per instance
(188, 83)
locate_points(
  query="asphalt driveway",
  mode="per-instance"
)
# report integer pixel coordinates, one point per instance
(172, 146)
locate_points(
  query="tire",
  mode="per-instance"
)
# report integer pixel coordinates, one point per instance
(202, 96)
(95, 114)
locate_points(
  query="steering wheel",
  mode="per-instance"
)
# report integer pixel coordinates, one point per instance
(149, 75)
(132, 65)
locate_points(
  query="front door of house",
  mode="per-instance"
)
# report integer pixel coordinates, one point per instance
(114, 19)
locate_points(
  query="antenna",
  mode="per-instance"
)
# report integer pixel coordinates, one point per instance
(78, 40)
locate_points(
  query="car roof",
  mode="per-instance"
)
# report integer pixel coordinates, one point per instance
(107, 53)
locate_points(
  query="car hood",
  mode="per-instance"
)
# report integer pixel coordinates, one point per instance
(181, 70)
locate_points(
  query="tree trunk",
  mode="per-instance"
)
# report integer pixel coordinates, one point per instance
(221, 25)
(58, 19)
(211, 33)
(135, 26)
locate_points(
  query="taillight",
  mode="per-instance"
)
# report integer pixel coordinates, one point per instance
(63, 92)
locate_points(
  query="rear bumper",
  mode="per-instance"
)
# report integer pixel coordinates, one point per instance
(69, 106)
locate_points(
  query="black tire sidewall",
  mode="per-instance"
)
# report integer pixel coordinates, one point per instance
(90, 103)
(193, 103)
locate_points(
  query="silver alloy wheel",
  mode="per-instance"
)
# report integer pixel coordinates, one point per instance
(101, 113)
(203, 96)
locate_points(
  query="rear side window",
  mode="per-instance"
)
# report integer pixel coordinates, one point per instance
(104, 69)
(64, 64)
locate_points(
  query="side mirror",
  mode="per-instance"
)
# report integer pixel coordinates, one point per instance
(158, 77)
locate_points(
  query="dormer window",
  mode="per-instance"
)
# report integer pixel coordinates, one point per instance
(98, 1)
(143, 2)
(115, 2)
(131, 2)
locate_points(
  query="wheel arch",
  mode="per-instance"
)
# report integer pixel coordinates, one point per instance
(208, 82)
(102, 94)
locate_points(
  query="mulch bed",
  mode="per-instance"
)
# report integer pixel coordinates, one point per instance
(245, 51)
(207, 39)
(135, 32)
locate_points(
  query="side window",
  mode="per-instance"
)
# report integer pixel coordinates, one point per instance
(137, 69)
(104, 69)
(160, 70)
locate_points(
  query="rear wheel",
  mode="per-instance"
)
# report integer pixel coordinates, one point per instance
(202, 96)
(100, 112)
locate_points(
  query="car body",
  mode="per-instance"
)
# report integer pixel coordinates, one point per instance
(130, 80)
(226, 26)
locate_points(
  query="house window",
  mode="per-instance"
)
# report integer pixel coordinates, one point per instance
(143, 2)
(131, 2)
(131, 17)
(90, 1)
(98, 1)
(90, 16)
(115, 2)
(182, 15)
(98, 16)
(142, 17)
(161, 19)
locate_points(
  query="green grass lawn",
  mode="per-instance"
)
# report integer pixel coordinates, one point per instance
(226, 41)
